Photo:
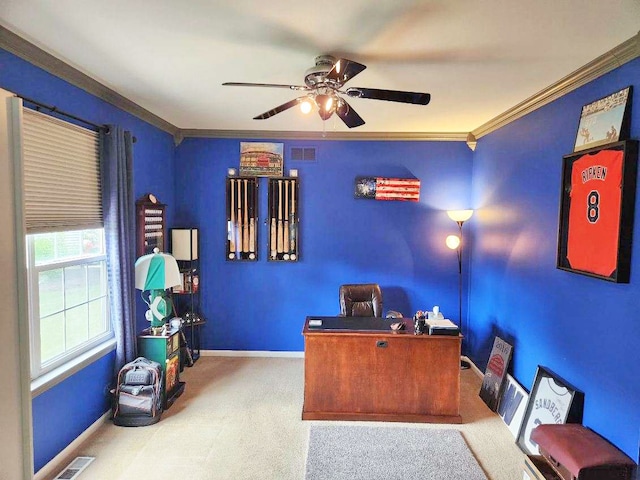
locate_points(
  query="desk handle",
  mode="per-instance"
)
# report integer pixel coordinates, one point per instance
(382, 344)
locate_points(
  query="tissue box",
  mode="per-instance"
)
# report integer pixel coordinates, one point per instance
(578, 453)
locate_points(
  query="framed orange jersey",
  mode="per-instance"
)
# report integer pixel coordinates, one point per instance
(597, 210)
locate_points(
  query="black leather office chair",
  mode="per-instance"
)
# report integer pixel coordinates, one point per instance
(361, 300)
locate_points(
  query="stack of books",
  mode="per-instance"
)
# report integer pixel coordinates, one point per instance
(442, 327)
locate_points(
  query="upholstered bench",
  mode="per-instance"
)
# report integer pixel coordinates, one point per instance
(578, 453)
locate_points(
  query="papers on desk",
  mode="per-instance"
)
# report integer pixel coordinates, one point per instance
(442, 327)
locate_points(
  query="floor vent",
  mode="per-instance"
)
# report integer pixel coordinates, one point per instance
(75, 468)
(307, 154)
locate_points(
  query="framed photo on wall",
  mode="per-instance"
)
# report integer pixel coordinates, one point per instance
(261, 159)
(380, 188)
(552, 400)
(604, 121)
(597, 202)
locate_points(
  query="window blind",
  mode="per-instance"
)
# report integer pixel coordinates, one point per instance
(61, 174)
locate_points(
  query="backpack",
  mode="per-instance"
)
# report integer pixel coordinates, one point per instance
(137, 399)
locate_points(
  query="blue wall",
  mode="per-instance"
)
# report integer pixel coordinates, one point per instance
(586, 330)
(63, 412)
(400, 245)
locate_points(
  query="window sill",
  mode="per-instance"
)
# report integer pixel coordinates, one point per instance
(52, 378)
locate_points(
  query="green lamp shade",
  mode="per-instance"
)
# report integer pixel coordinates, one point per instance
(157, 271)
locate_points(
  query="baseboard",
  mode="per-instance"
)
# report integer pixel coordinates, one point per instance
(61, 460)
(251, 353)
(473, 366)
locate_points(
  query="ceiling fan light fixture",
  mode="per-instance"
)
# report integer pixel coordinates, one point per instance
(326, 105)
(305, 106)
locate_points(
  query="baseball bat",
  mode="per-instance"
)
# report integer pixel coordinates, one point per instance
(285, 243)
(272, 213)
(245, 226)
(232, 230)
(280, 232)
(292, 225)
(239, 228)
(252, 220)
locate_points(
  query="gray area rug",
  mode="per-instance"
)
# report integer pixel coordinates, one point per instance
(385, 453)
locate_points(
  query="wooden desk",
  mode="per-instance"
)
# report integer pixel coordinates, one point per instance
(381, 376)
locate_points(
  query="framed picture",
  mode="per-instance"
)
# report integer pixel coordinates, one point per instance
(495, 373)
(596, 211)
(552, 400)
(379, 188)
(604, 121)
(261, 159)
(512, 405)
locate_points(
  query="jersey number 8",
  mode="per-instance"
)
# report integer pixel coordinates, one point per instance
(593, 206)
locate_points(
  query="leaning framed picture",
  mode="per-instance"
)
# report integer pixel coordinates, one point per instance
(605, 120)
(494, 375)
(513, 403)
(552, 400)
(597, 202)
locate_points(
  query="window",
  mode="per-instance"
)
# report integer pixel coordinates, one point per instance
(68, 304)
(65, 246)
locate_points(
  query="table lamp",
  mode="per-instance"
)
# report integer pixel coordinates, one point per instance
(155, 273)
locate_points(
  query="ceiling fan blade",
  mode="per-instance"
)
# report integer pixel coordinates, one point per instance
(344, 70)
(389, 95)
(279, 108)
(348, 115)
(270, 85)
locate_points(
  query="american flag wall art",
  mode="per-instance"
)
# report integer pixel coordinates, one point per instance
(379, 188)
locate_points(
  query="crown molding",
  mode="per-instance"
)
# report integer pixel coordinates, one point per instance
(33, 54)
(616, 57)
(285, 135)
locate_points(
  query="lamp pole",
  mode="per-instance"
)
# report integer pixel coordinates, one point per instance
(460, 216)
(463, 363)
(459, 251)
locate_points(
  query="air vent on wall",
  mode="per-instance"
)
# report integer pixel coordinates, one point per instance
(306, 154)
(75, 468)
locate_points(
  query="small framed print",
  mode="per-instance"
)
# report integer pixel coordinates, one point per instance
(495, 373)
(261, 159)
(552, 400)
(604, 121)
(596, 211)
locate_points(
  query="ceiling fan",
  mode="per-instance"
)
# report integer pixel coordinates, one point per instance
(323, 88)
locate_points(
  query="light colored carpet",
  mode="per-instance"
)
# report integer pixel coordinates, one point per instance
(343, 452)
(240, 418)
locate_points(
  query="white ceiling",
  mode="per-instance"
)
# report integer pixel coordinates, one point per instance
(477, 58)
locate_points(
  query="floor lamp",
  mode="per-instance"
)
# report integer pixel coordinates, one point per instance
(454, 242)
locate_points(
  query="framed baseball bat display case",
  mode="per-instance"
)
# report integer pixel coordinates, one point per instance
(596, 211)
(242, 219)
(283, 222)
